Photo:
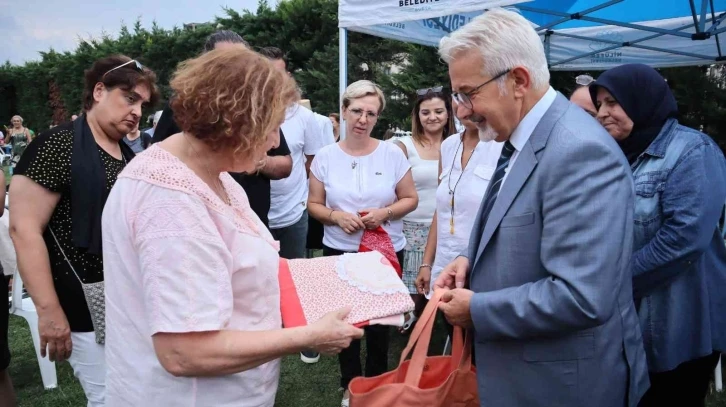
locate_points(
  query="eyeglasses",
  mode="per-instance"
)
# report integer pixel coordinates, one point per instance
(136, 65)
(357, 113)
(426, 91)
(584, 80)
(464, 98)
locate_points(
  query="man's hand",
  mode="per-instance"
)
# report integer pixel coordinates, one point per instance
(453, 275)
(455, 306)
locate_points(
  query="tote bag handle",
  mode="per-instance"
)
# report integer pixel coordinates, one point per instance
(420, 340)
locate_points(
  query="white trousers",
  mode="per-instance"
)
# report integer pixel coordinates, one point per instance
(88, 361)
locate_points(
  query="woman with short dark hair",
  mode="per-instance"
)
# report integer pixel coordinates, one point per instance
(57, 194)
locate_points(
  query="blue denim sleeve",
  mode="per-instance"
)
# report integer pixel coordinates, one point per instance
(691, 204)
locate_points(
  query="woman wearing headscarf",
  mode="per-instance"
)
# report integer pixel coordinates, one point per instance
(679, 257)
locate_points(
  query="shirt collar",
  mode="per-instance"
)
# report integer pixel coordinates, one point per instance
(530, 121)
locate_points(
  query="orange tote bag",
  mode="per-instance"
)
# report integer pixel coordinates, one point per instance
(430, 381)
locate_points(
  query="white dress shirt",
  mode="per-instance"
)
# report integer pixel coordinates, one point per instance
(526, 127)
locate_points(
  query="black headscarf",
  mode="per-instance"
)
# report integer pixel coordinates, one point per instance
(645, 97)
(166, 126)
(88, 187)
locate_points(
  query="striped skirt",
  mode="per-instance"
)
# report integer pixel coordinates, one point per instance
(416, 236)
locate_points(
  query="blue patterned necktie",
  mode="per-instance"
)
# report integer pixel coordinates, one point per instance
(496, 181)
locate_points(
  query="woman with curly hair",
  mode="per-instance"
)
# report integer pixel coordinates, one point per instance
(193, 301)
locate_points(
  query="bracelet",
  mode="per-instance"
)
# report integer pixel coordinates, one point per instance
(390, 213)
(330, 215)
(424, 265)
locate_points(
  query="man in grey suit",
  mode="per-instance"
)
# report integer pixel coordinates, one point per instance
(550, 299)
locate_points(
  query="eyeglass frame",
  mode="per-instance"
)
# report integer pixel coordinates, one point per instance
(425, 91)
(139, 67)
(458, 96)
(359, 112)
(584, 80)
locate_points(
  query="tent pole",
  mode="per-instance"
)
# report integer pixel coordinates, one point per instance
(713, 21)
(581, 13)
(704, 10)
(547, 40)
(342, 72)
(619, 45)
(695, 16)
(699, 24)
(627, 44)
(606, 22)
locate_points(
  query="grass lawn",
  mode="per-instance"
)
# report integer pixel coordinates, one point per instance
(301, 385)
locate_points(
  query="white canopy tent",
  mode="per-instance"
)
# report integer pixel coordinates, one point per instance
(577, 34)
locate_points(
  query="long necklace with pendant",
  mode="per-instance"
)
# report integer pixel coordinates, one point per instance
(452, 192)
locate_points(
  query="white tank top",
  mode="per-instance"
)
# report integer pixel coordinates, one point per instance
(468, 186)
(426, 177)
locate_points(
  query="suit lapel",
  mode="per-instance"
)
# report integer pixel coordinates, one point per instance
(516, 177)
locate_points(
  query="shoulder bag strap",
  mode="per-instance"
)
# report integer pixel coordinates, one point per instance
(64, 255)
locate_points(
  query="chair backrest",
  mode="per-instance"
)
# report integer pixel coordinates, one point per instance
(16, 301)
(17, 298)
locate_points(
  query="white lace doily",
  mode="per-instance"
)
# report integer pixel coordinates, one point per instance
(369, 272)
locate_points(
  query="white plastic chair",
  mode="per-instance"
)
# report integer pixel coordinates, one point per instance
(718, 379)
(5, 156)
(25, 308)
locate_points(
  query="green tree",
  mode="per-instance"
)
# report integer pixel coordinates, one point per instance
(307, 31)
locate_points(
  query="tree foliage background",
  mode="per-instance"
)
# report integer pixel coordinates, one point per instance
(50, 89)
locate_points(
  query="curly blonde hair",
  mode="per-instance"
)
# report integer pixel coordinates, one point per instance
(231, 98)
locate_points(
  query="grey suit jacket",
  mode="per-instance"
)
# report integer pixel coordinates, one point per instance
(553, 311)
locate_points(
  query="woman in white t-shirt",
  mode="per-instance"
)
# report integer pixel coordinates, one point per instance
(361, 174)
(432, 122)
(466, 167)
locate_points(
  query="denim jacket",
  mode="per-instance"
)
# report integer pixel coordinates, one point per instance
(679, 256)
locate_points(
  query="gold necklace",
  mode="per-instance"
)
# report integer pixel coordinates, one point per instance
(223, 196)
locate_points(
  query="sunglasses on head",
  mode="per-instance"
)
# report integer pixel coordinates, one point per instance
(584, 80)
(134, 64)
(426, 91)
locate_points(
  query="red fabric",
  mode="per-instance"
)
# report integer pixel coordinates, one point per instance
(378, 240)
(290, 307)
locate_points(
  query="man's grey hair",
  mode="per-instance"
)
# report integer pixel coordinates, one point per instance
(504, 39)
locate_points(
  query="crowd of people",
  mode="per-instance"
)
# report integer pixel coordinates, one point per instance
(578, 241)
